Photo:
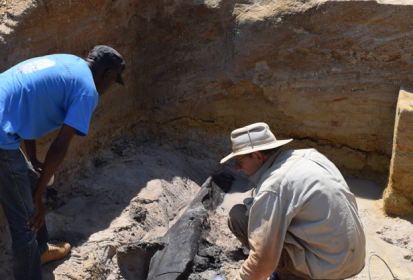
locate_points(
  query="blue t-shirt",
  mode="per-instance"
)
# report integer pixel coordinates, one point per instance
(39, 95)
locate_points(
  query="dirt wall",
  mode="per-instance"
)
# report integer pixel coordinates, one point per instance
(325, 73)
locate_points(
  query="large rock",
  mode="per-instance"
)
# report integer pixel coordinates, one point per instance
(183, 239)
(398, 197)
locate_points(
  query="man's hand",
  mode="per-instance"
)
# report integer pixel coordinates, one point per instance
(38, 216)
(38, 166)
(54, 157)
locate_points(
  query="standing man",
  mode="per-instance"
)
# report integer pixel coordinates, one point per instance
(38, 96)
(303, 221)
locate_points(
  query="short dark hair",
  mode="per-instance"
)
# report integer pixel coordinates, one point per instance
(268, 153)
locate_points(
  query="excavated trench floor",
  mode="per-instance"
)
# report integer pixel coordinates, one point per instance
(137, 191)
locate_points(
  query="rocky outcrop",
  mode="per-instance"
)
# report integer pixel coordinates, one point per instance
(398, 197)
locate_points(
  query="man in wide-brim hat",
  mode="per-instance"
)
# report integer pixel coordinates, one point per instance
(303, 222)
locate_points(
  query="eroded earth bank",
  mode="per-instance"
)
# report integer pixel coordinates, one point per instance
(326, 73)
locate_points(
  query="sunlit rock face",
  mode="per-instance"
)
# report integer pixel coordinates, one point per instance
(398, 197)
(324, 73)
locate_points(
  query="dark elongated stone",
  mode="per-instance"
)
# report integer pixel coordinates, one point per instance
(175, 260)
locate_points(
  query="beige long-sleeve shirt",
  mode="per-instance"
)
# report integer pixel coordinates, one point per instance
(304, 205)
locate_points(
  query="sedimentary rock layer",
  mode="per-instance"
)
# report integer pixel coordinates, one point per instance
(398, 197)
(326, 73)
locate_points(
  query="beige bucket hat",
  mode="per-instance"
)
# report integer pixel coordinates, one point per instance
(252, 138)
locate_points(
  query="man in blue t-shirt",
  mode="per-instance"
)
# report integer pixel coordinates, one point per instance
(38, 96)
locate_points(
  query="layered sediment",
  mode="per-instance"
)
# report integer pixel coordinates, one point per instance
(326, 73)
(398, 197)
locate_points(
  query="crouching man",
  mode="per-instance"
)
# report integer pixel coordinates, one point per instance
(303, 221)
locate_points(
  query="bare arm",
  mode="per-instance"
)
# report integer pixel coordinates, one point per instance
(30, 146)
(54, 159)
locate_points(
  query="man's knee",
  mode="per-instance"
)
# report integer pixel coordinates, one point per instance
(238, 223)
(236, 214)
(22, 235)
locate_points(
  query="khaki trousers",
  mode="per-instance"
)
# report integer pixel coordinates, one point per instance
(238, 224)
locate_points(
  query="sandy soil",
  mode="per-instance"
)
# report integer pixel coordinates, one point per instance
(389, 237)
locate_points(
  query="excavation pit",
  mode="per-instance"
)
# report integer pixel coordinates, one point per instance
(326, 73)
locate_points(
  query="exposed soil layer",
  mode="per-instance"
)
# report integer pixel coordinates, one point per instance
(326, 73)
